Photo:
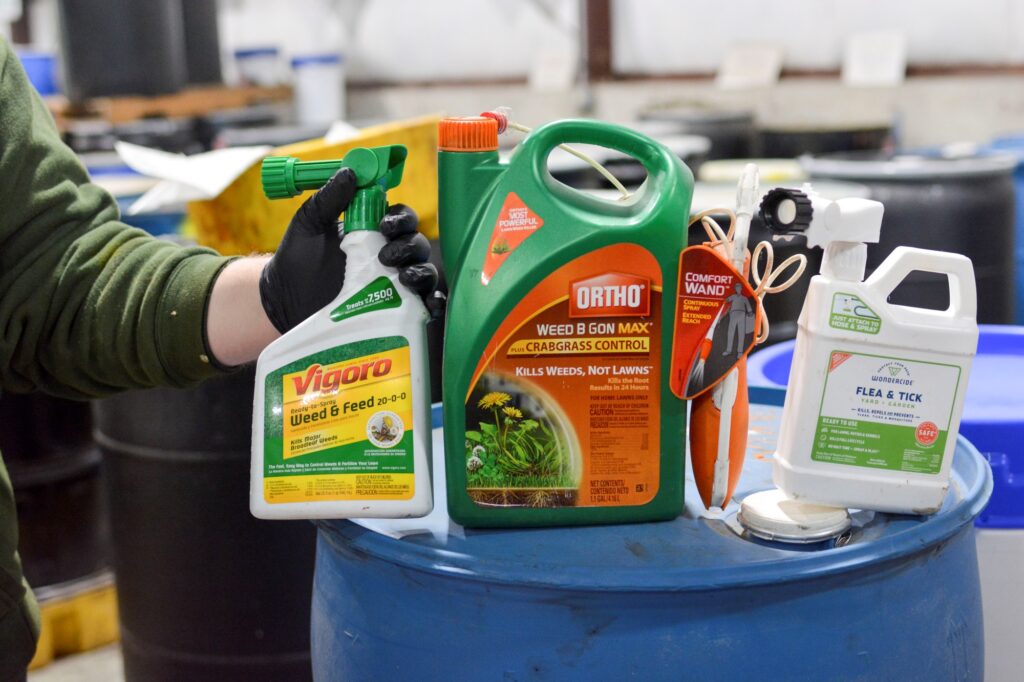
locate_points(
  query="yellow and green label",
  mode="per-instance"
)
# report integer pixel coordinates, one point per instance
(850, 313)
(380, 294)
(338, 425)
(885, 413)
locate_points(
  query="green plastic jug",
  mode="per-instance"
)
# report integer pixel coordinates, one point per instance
(557, 407)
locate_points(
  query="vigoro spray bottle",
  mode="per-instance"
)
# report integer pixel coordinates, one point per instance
(557, 405)
(341, 414)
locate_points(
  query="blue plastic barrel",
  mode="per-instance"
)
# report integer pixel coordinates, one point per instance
(691, 598)
(1015, 145)
(993, 421)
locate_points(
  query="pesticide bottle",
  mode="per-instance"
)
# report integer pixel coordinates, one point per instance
(557, 405)
(876, 391)
(341, 413)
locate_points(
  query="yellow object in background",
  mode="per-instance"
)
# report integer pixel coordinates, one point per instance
(79, 617)
(242, 221)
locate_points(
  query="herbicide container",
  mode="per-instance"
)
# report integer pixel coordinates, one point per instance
(557, 407)
(341, 413)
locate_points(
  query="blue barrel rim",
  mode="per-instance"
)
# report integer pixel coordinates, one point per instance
(968, 464)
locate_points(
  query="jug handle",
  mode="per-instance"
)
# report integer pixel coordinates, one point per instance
(963, 298)
(661, 164)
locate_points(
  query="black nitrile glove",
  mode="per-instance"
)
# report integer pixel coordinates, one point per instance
(308, 269)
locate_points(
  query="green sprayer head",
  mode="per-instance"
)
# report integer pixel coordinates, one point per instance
(377, 170)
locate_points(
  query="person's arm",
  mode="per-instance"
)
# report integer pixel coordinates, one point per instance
(88, 305)
(237, 326)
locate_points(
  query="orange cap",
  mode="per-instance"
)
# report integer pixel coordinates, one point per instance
(467, 134)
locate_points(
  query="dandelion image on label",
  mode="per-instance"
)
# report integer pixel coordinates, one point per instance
(516, 455)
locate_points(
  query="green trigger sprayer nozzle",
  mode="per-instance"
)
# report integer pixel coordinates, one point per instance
(377, 169)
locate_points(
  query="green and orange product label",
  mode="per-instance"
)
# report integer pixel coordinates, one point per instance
(564, 404)
(716, 319)
(339, 425)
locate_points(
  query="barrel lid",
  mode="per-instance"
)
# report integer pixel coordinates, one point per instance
(850, 125)
(874, 165)
(697, 551)
(773, 515)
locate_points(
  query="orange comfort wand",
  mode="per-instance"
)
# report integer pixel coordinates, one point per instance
(718, 436)
(719, 418)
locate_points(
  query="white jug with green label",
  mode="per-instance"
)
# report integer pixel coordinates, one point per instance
(341, 411)
(876, 389)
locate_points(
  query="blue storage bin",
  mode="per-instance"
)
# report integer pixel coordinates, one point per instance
(42, 71)
(1015, 145)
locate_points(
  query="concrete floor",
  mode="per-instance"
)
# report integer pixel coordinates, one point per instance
(101, 665)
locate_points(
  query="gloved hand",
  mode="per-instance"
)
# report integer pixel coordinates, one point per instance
(308, 270)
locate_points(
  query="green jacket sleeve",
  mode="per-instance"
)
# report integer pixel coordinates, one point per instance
(88, 305)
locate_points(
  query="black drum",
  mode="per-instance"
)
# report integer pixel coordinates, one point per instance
(793, 141)
(964, 205)
(206, 592)
(733, 133)
(47, 445)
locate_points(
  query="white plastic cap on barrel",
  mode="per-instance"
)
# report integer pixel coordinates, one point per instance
(772, 515)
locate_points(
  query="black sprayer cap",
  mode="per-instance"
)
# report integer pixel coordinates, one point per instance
(785, 211)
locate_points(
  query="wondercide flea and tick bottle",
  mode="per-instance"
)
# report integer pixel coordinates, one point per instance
(341, 414)
(877, 390)
(557, 405)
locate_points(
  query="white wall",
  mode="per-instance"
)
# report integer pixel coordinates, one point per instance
(677, 36)
(407, 40)
(10, 10)
(420, 40)
(423, 40)
(463, 40)
(668, 36)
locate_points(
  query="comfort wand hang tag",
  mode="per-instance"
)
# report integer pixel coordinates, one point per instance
(717, 315)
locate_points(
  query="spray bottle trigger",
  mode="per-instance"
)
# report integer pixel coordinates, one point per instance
(377, 165)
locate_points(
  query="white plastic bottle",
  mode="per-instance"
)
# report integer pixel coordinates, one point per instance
(876, 390)
(341, 413)
(318, 84)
